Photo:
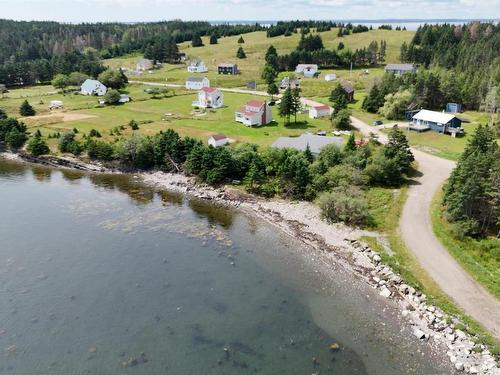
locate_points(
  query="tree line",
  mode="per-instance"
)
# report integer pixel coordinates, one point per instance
(311, 50)
(34, 52)
(471, 52)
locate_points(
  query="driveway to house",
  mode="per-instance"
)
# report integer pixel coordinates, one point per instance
(418, 235)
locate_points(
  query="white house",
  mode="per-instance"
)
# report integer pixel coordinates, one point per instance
(330, 77)
(93, 87)
(197, 66)
(209, 97)
(56, 104)
(218, 140)
(254, 113)
(197, 83)
(320, 111)
(308, 70)
(144, 64)
(400, 69)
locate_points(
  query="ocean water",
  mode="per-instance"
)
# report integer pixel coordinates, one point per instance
(101, 275)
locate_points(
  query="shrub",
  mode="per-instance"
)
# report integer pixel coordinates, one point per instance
(26, 109)
(68, 143)
(94, 133)
(99, 150)
(37, 145)
(344, 205)
(112, 97)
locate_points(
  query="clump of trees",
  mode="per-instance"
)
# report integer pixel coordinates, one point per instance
(13, 134)
(472, 194)
(290, 104)
(469, 54)
(112, 96)
(114, 79)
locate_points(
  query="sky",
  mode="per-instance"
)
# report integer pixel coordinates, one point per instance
(157, 10)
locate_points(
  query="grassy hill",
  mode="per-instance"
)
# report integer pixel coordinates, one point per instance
(255, 46)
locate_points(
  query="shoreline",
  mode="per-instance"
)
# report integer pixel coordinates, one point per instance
(334, 243)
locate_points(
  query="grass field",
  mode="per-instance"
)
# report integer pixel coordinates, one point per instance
(255, 47)
(151, 114)
(480, 257)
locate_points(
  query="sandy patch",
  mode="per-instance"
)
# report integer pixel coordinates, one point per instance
(54, 118)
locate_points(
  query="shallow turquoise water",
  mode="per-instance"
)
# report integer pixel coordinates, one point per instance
(100, 275)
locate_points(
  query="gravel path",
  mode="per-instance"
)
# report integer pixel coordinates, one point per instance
(416, 230)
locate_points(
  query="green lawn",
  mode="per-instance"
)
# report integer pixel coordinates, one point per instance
(151, 113)
(481, 258)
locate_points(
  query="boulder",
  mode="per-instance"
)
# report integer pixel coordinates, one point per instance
(385, 292)
(459, 366)
(419, 333)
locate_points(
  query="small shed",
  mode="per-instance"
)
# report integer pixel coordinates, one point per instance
(124, 98)
(348, 90)
(218, 140)
(330, 77)
(453, 107)
(252, 85)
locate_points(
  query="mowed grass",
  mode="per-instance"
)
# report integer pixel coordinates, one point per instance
(255, 46)
(175, 112)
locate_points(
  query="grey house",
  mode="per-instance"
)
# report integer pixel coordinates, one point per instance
(315, 142)
(227, 69)
(400, 69)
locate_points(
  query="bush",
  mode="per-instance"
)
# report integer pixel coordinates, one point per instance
(134, 125)
(99, 150)
(240, 54)
(37, 146)
(342, 119)
(342, 205)
(94, 133)
(26, 109)
(68, 143)
(112, 97)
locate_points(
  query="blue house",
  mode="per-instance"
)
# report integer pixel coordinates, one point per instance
(438, 121)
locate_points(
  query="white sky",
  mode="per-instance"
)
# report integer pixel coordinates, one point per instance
(156, 10)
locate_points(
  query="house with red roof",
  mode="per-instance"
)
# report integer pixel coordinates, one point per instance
(209, 97)
(254, 113)
(318, 111)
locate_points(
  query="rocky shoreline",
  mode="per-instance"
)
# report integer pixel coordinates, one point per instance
(337, 243)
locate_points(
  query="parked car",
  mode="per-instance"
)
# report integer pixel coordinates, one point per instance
(377, 122)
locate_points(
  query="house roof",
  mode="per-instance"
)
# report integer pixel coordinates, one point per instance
(307, 66)
(407, 67)
(247, 113)
(227, 65)
(195, 62)
(255, 103)
(433, 116)
(218, 137)
(347, 86)
(195, 79)
(315, 142)
(92, 84)
(208, 89)
(321, 107)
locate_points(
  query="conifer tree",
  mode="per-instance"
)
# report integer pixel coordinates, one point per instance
(26, 109)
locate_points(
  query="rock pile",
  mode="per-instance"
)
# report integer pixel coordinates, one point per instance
(429, 322)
